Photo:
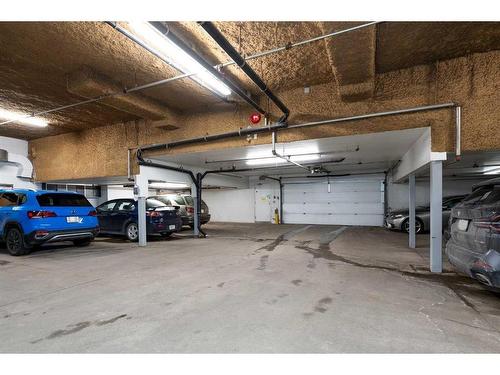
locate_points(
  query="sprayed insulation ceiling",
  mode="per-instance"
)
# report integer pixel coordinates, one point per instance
(37, 58)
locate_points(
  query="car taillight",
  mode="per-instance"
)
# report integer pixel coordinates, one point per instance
(481, 264)
(40, 214)
(495, 224)
(491, 222)
(93, 213)
(190, 210)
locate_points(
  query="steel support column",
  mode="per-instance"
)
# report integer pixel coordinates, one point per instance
(141, 190)
(436, 193)
(411, 205)
(196, 217)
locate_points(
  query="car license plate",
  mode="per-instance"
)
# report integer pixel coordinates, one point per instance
(462, 224)
(74, 219)
(171, 226)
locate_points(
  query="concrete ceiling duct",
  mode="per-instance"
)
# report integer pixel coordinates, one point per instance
(24, 165)
(88, 83)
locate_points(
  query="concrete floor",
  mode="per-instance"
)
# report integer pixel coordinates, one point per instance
(246, 288)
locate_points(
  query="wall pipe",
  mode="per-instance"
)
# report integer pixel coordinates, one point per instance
(215, 137)
(216, 35)
(197, 180)
(281, 126)
(458, 120)
(458, 133)
(287, 158)
(181, 76)
(281, 194)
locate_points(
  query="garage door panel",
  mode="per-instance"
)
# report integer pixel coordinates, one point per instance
(349, 202)
(335, 186)
(333, 197)
(334, 208)
(363, 220)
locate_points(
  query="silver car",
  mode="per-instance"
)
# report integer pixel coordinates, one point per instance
(474, 244)
(186, 207)
(400, 219)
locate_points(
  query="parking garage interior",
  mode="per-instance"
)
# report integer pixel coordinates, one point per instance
(300, 137)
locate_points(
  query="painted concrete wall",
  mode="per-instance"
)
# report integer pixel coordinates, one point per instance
(8, 172)
(398, 193)
(228, 205)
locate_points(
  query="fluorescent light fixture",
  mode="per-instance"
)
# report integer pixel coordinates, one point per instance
(260, 157)
(22, 118)
(177, 57)
(494, 170)
(168, 185)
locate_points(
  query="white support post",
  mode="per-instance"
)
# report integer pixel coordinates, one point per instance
(194, 194)
(141, 184)
(436, 193)
(411, 205)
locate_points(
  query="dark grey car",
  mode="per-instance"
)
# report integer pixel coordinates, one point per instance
(474, 244)
(400, 219)
(185, 203)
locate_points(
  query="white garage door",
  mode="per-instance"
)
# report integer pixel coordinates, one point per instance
(345, 202)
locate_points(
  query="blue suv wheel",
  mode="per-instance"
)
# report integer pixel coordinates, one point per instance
(14, 240)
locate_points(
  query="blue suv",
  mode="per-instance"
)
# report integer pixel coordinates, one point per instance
(29, 218)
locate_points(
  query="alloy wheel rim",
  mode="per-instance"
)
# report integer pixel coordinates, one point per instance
(132, 231)
(417, 226)
(14, 240)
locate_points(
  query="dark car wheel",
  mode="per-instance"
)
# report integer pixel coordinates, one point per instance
(419, 225)
(15, 243)
(132, 232)
(81, 243)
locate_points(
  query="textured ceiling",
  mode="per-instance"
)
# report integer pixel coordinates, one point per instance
(36, 58)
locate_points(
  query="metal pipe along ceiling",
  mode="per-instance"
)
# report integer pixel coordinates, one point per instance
(286, 158)
(282, 126)
(216, 35)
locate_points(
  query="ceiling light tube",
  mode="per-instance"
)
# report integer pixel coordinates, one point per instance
(22, 118)
(177, 57)
(492, 171)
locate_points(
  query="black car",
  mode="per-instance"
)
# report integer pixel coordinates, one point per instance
(474, 244)
(120, 216)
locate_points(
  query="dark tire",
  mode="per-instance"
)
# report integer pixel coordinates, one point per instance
(166, 234)
(81, 243)
(132, 232)
(14, 241)
(419, 226)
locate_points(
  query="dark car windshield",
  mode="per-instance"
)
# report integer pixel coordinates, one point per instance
(478, 195)
(62, 200)
(189, 200)
(493, 197)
